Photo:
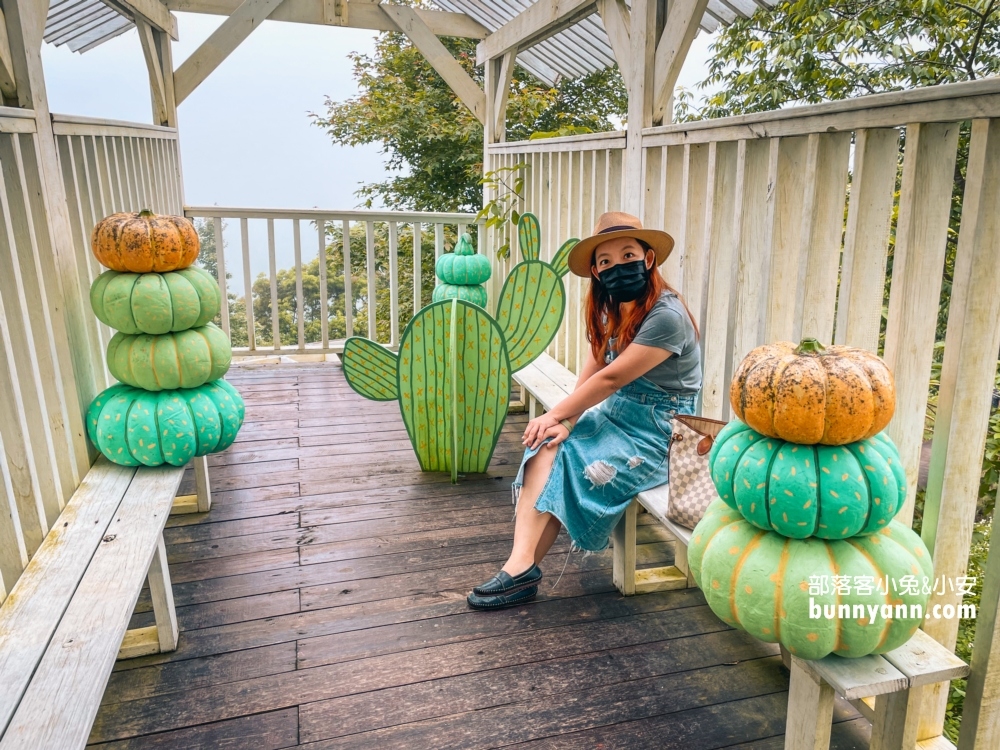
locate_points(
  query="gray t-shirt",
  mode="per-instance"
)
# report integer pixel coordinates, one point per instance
(667, 326)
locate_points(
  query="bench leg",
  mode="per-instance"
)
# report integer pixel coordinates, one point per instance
(681, 562)
(162, 594)
(890, 729)
(623, 539)
(201, 501)
(534, 408)
(203, 487)
(162, 636)
(810, 711)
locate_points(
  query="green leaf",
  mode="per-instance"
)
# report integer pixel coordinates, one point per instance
(515, 217)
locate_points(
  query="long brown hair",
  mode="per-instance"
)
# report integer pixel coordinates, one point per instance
(605, 320)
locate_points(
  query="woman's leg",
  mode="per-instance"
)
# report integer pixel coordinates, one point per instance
(534, 532)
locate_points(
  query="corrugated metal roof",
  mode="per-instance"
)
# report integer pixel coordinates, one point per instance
(84, 24)
(582, 48)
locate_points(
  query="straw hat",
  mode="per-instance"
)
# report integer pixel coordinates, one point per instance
(617, 224)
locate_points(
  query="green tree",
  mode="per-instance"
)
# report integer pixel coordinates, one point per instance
(432, 142)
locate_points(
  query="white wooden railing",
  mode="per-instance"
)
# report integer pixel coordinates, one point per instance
(757, 206)
(568, 183)
(109, 167)
(51, 346)
(303, 235)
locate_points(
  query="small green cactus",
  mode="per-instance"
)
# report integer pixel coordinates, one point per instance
(462, 274)
(452, 376)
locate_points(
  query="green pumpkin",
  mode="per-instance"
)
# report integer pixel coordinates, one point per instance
(185, 359)
(759, 581)
(155, 302)
(474, 294)
(463, 266)
(828, 491)
(133, 427)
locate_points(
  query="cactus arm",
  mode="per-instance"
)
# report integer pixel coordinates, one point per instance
(370, 369)
(529, 237)
(530, 310)
(560, 263)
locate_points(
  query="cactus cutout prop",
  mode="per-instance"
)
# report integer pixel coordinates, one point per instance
(171, 403)
(452, 376)
(462, 274)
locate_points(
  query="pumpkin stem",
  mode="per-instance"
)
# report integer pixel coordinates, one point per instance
(146, 213)
(810, 346)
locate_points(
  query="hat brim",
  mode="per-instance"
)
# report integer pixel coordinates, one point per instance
(581, 256)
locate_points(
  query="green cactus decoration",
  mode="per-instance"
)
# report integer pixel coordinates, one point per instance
(453, 372)
(462, 274)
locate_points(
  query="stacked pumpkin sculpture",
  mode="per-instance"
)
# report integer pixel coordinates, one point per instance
(452, 375)
(808, 487)
(462, 273)
(171, 404)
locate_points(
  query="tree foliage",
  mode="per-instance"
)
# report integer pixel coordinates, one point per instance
(807, 51)
(431, 141)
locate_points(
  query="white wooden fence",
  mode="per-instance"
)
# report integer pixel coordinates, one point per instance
(568, 183)
(51, 346)
(757, 206)
(310, 234)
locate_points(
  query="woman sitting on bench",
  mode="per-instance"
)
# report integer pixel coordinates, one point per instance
(582, 466)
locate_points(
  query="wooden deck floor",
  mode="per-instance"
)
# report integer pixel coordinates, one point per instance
(322, 603)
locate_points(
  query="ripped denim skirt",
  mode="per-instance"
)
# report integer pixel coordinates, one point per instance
(615, 451)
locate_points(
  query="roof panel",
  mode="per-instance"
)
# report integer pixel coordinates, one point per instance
(84, 24)
(582, 48)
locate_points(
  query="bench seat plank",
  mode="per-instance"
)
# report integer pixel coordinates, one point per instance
(32, 611)
(859, 677)
(657, 501)
(924, 661)
(61, 702)
(540, 386)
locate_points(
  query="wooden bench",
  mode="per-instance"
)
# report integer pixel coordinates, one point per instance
(544, 384)
(880, 687)
(66, 619)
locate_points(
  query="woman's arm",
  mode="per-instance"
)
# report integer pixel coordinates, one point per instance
(633, 363)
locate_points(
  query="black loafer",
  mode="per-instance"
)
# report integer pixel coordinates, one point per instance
(499, 601)
(503, 583)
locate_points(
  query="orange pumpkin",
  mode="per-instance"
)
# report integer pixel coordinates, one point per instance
(144, 242)
(812, 394)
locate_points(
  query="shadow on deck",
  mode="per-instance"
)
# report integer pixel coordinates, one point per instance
(323, 601)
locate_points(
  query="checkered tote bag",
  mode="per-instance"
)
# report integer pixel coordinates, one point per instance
(691, 487)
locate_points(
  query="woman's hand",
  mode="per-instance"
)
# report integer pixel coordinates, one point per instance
(543, 427)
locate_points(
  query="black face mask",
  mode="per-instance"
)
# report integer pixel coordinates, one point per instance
(625, 282)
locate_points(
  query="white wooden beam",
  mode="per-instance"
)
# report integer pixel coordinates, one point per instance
(640, 98)
(247, 17)
(618, 23)
(537, 23)
(152, 11)
(682, 27)
(7, 86)
(501, 94)
(440, 58)
(152, 57)
(361, 14)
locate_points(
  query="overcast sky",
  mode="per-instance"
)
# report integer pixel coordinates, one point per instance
(246, 137)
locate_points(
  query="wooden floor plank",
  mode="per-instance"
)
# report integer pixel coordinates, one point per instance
(268, 731)
(322, 602)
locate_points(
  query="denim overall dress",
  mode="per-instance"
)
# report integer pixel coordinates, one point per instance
(616, 450)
